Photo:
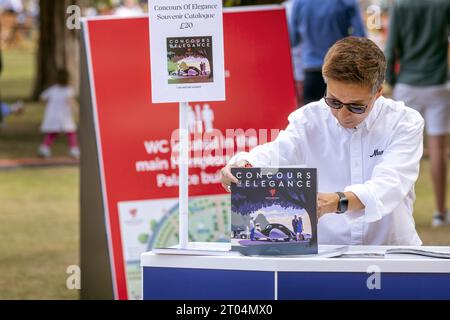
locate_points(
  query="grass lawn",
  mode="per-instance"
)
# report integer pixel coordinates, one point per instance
(424, 208)
(39, 232)
(39, 208)
(18, 73)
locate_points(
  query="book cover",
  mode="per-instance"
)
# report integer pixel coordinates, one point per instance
(189, 60)
(274, 211)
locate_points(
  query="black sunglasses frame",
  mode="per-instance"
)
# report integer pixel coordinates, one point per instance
(350, 106)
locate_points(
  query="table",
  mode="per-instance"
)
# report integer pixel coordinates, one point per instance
(235, 277)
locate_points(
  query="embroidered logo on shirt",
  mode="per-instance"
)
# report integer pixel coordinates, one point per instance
(376, 153)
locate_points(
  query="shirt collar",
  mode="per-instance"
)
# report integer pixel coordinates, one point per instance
(369, 122)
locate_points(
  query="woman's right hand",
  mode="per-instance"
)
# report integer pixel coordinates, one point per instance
(227, 178)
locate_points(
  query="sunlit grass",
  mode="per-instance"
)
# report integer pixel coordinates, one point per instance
(39, 232)
(16, 81)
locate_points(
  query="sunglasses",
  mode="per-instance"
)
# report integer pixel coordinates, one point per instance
(353, 108)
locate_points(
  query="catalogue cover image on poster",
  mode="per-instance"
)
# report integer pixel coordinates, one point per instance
(190, 60)
(274, 211)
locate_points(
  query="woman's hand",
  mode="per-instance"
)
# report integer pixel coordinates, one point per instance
(326, 203)
(227, 178)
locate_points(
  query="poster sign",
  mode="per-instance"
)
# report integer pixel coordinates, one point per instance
(137, 160)
(187, 54)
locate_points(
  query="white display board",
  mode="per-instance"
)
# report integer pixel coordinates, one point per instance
(186, 49)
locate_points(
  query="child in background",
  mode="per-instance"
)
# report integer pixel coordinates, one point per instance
(58, 117)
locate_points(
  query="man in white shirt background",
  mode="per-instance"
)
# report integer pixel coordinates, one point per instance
(366, 148)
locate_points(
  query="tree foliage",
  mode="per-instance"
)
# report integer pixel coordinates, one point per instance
(57, 47)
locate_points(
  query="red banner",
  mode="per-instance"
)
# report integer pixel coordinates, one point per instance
(138, 160)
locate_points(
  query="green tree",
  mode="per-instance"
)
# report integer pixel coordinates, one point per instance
(57, 46)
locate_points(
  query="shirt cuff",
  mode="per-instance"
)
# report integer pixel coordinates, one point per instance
(373, 207)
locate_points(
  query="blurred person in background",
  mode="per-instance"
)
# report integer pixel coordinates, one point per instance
(296, 54)
(59, 116)
(418, 42)
(18, 20)
(1, 56)
(317, 25)
(90, 12)
(6, 110)
(12, 6)
(32, 7)
(129, 8)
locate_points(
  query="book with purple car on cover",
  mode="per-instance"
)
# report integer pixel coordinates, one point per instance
(274, 211)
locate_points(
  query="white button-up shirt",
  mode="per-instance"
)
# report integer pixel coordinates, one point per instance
(378, 161)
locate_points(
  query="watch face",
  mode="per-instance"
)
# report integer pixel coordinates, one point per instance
(343, 203)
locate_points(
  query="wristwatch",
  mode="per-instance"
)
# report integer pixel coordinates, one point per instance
(342, 204)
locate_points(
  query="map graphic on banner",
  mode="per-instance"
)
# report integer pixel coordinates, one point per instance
(138, 156)
(152, 224)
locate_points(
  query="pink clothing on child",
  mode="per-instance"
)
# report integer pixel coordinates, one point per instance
(71, 137)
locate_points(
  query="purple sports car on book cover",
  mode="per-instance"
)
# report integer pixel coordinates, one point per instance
(274, 211)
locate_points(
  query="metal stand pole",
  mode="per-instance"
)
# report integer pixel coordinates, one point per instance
(184, 176)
